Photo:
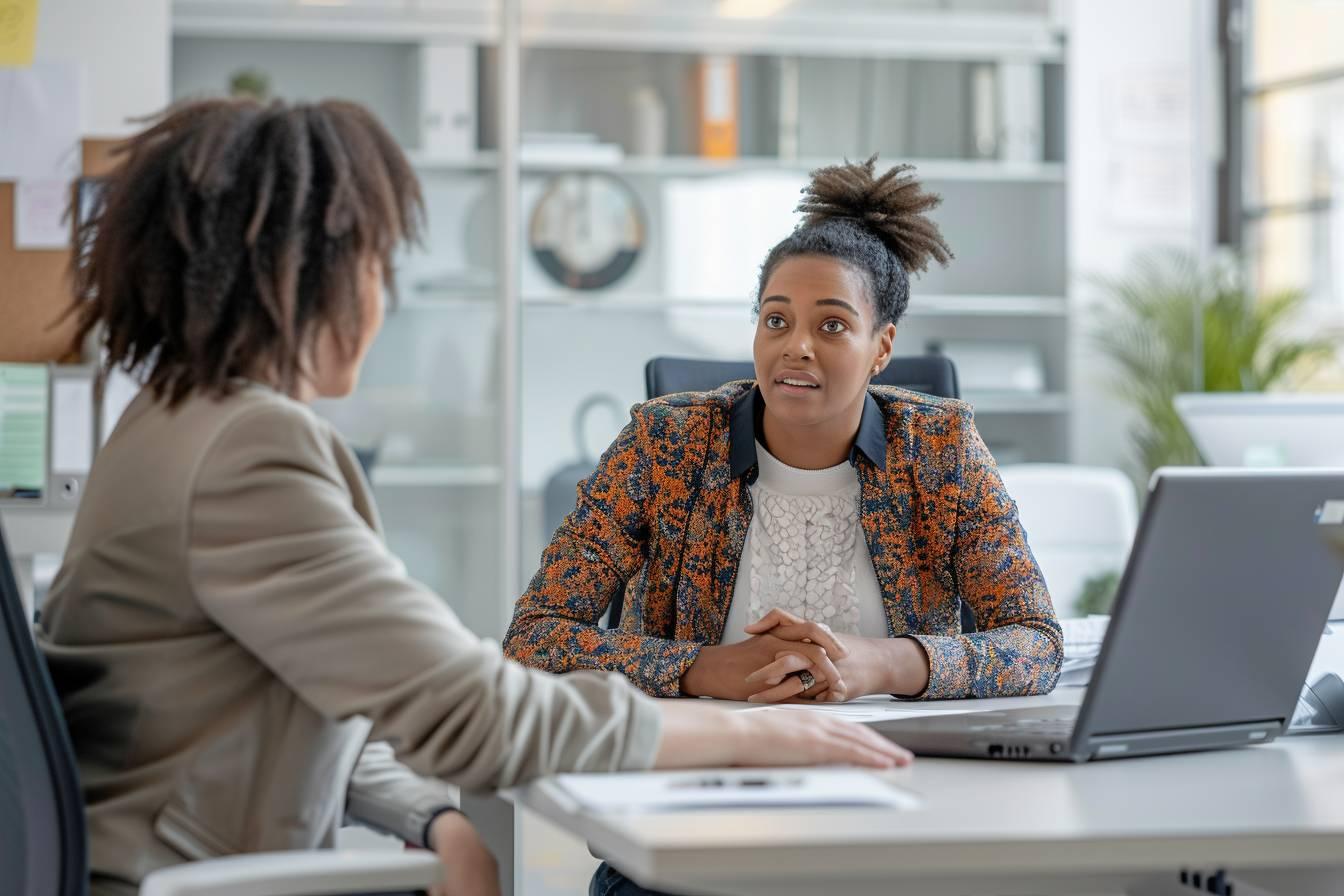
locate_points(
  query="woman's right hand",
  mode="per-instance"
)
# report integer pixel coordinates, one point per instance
(697, 736)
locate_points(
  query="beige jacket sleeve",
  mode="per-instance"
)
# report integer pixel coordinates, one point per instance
(387, 796)
(280, 558)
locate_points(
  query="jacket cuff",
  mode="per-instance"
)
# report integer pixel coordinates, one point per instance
(429, 822)
(671, 663)
(387, 796)
(949, 667)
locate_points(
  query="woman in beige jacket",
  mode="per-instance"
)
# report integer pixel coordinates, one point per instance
(228, 629)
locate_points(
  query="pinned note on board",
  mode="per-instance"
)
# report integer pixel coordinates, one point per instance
(18, 32)
(44, 103)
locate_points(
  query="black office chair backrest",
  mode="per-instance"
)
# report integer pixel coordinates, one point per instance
(930, 374)
(42, 834)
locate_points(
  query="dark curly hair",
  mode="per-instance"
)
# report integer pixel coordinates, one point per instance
(232, 232)
(875, 224)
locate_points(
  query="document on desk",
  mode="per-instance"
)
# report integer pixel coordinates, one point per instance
(732, 789)
(866, 709)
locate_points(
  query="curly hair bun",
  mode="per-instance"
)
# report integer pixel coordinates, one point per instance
(892, 206)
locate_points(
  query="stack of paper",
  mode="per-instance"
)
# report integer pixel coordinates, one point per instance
(1082, 644)
(732, 789)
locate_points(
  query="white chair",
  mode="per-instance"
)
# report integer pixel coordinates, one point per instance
(316, 873)
(1079, 522)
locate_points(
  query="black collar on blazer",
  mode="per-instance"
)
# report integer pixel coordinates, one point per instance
(745, 422)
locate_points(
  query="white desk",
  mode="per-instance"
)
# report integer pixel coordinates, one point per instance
(1007, 828)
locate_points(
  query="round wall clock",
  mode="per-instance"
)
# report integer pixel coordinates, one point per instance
(587, 230)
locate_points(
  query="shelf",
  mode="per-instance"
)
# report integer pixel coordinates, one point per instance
(920, 305)
(936, 170)
(811, 29)
(484, 160)
(443, 475)
(927, 169)
(1046, 403)
(450, 300)
(987, 306)
(473, 21)
(649, 303)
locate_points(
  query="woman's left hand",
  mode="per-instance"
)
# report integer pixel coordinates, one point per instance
(870, 666)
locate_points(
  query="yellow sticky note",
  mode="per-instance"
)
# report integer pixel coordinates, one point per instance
(18, 31)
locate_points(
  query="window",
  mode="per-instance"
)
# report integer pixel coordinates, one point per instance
(1289, 113)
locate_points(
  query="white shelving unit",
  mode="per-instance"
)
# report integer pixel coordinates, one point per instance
(928, 306)
(901, 68)
(693, 166)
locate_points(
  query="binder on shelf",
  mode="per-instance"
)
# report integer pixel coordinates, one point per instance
(716, 94)
(448, 100)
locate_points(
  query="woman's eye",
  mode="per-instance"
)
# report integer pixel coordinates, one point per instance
(774, 322)
(834, 326)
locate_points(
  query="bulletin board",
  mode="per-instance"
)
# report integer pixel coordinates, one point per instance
(35, 285)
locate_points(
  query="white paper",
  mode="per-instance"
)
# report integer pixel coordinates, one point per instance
(40, 113)
(1150, 186)
(71, 426)
(40, 214)
(733, 789)
(1149, 105)
(864, 710)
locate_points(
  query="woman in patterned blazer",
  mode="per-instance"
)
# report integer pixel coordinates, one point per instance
(807, 535)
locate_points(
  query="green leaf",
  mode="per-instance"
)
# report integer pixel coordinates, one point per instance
(1154, 318)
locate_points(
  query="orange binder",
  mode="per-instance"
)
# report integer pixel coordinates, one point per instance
(716, 91)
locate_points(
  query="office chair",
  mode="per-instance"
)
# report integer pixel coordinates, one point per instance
(43, 841)
(930, 374)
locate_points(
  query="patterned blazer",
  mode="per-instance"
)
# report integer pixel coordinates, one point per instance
(664, 517)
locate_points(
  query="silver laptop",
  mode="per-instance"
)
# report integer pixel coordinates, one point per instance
(1216, 620)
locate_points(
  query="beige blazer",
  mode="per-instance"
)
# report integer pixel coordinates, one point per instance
(228, 630)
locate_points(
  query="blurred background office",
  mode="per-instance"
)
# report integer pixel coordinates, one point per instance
(1140, 197)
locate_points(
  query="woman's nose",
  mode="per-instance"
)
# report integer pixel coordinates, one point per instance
(799, 347)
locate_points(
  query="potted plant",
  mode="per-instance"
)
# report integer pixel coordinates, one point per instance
(251, 83)
(1170, 313)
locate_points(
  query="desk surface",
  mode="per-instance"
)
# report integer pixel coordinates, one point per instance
(988, 823)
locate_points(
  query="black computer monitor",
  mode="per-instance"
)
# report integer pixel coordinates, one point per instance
(9, 583)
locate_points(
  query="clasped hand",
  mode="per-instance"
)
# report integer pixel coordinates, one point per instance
(838, 667)
(762, 668)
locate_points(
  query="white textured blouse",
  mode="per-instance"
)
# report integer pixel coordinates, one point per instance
(805, 552)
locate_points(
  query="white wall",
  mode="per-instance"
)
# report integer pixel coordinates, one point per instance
(1141, 126)
(124, 46)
